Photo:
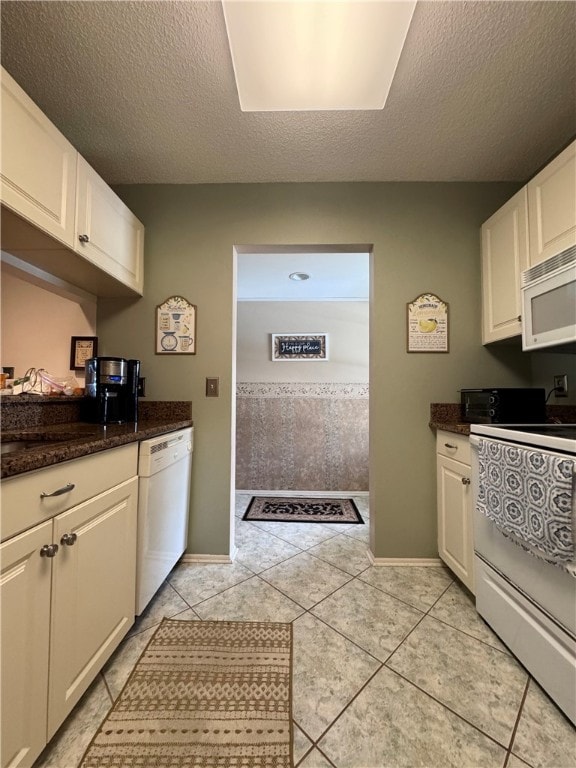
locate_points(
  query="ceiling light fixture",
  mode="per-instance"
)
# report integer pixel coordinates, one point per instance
(315, 54)
(299, 276)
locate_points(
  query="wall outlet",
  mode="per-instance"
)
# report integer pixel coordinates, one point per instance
(561, 385)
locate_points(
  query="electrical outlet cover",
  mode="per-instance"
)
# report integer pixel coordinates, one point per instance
(561, 385)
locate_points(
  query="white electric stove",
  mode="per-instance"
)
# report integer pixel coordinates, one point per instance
(554, 437)
(529, 602)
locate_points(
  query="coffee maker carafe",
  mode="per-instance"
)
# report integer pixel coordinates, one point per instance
(111, 390)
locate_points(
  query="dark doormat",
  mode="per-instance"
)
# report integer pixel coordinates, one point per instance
(302, 509)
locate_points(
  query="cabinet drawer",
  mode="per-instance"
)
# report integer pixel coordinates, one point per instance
(23, 507)
(454, 446)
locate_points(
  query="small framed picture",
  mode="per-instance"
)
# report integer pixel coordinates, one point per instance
(81, 349)
(176, 327)
(427, 324)
(299, 346)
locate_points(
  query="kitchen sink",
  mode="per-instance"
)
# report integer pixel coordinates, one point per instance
(11, 446)
(20, 441)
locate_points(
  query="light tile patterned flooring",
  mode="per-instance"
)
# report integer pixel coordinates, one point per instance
(392, 665)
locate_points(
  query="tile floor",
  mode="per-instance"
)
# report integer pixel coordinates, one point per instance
(392, 665)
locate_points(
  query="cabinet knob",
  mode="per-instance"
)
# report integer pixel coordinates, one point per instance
(84, 238)
(68, 539)
(519, 318)
(465, 481)
(59, 491)
(49, 550)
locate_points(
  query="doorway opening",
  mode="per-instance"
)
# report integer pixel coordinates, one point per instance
(300, 416)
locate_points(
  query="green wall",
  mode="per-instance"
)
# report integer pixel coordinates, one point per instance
(425, 237)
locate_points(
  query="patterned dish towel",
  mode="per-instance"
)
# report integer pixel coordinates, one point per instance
(528, 495)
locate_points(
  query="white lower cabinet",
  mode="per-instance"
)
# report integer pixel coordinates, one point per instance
(67, 596)
(454, 506)
(25, 633)
(93, 593)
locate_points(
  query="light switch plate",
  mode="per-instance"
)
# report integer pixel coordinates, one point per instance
(212, 386)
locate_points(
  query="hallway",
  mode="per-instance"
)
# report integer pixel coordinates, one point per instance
(392, 666)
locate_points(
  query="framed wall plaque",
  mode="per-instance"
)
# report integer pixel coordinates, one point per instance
(299, 346)
(81, 349)
(176, 327)
(427, 324)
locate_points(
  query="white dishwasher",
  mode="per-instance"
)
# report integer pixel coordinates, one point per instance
(164, 469)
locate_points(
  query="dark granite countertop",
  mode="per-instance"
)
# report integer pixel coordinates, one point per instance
(447, 416)
(451, 426)
(62, 442)
(54, 431)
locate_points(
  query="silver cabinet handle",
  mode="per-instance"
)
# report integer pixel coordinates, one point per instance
(465, 481)
(49, 550)
(84, 238)
(449, 445)
(69, 539)
(65, 489)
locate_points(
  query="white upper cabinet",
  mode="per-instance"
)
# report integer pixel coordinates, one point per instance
(38, 165)
(107, 232)
(538, 222)
(552, 207)
(57, 213)
(504, 257)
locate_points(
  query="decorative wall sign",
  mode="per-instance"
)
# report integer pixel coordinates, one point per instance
(427, 324)
(176, 327)
(81, 349)
(299, 347)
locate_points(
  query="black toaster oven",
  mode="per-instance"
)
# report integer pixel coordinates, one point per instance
(504, 405)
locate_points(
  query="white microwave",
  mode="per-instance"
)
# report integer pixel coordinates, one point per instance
(549, 303)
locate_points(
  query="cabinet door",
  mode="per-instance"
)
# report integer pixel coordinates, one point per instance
(38, 165)
(504, 257)
(552, 207)
(25, 625)
(93, 592)
(107, 232)
(455, 535)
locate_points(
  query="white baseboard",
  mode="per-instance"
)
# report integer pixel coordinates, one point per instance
(407, 561)
(311, 494)
(214, 559)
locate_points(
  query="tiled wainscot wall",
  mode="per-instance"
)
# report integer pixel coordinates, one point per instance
(302, 437)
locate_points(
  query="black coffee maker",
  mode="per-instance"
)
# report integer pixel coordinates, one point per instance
(111, 390)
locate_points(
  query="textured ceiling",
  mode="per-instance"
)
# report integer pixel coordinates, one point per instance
(145, 91)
